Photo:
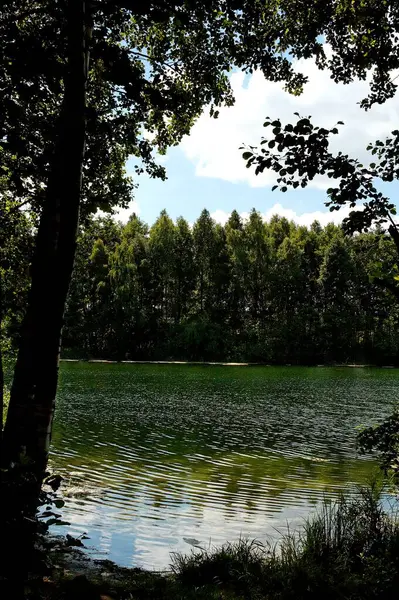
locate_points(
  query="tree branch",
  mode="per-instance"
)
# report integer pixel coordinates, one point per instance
(149, 59)
(27, 13)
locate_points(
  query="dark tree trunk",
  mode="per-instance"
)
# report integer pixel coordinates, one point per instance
(29, 422)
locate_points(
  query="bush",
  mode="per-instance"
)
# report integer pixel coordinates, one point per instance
(384, 439)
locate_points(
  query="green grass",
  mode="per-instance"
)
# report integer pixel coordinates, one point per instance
(348, 551)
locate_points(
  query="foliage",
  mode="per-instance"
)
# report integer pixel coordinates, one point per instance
(15, 252)
(16, 247)
(300, 152)
(384, 439)
(263, 292)
(154, 68)
(6, 400)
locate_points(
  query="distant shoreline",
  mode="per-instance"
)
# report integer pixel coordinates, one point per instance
(219, 364)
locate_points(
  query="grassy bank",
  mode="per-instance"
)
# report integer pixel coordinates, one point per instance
(348, 551)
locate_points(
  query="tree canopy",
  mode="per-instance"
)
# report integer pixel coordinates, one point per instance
(153, 69)
(300, 151)
(246, 291)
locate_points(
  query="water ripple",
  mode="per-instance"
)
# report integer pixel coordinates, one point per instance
(156, 454)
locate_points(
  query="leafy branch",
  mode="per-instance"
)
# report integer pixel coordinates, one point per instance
(299, 152)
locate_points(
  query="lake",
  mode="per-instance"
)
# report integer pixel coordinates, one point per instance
(155, 456)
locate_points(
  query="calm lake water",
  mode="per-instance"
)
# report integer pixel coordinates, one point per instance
(154, 455)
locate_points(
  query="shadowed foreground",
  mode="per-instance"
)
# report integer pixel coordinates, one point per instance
(349, 551)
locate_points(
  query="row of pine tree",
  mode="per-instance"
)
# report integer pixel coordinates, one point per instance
(270, 292)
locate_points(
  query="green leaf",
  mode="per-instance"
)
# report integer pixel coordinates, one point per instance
(247, 155)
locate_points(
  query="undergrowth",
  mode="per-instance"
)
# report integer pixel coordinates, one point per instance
(348, 550)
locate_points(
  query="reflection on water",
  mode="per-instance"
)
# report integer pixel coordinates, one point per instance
(154, 454)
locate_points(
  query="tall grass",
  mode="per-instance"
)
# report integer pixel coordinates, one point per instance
(348, 550)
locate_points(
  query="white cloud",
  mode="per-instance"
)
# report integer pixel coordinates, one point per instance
(307, 218)
(123, 214)
(221, 216)
(213, 145)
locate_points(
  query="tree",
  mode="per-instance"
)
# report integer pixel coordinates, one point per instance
(288, 286)
(204, 248)
(297, 153)
(90, 303)
(237, 256)
(82, 84)
(161, 257)
(183, 269)
(29, 420)
(338, 303)
(312, 242)
(132, 302)
(260, 258)
(275, 292)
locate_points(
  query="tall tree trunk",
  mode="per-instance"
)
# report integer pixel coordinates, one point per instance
(29, 421)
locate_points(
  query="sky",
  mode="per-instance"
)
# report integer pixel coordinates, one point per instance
(207, 170)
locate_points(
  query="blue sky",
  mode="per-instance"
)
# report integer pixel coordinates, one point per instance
(185, 194)
(207, 170)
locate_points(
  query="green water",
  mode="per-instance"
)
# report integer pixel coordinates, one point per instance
(153, 454)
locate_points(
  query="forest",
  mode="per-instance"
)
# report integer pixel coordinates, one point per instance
(271, 292)
(93, 95)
